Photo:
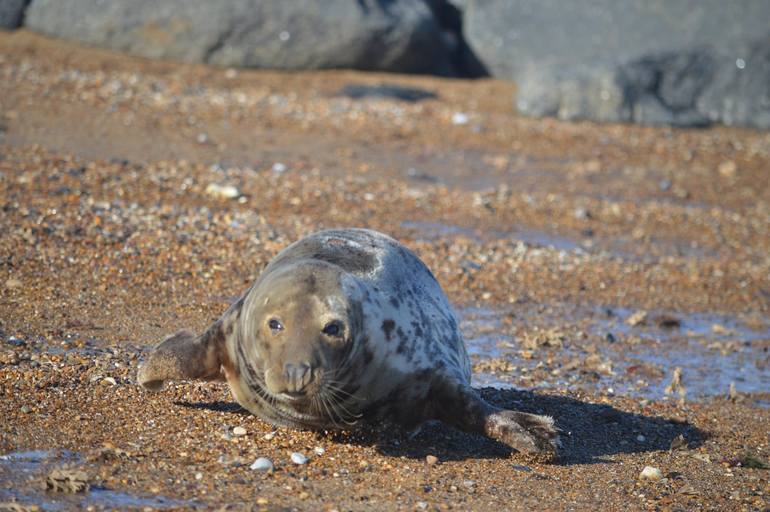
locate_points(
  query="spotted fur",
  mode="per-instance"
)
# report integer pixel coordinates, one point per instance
(366, 332)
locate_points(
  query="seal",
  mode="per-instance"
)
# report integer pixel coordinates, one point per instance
(343, 326)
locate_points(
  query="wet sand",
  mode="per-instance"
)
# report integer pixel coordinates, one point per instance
(586, 261)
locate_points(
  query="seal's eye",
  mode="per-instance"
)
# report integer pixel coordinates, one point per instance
(333, 329)
(275, 325)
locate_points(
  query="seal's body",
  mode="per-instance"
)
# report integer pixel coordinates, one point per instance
(343, 325)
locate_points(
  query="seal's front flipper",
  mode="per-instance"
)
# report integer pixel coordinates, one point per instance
(457, 404)
(183, 356)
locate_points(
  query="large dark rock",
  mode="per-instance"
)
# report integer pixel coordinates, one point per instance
(12, 13)
(392, 35)
(682, 62)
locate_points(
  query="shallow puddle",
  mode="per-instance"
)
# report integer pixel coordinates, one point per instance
(616, 350)
(616, 247)
(438, 230)
(22, 476)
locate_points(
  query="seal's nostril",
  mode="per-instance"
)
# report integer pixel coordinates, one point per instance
(297, 376)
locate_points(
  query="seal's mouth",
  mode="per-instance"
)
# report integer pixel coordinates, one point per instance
(289, 396)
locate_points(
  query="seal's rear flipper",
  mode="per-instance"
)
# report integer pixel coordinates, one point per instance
(183, 356)
(528, 433)
(457, 404)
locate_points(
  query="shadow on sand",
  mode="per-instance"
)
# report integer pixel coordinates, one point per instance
(590, 432)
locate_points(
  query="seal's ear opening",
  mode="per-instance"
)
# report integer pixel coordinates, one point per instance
(182, 356)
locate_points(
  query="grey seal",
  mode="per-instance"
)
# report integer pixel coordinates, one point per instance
(342, 326)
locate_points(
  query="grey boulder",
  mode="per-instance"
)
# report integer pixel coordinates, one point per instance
(12, 13)
(680, 62)
(394, 35)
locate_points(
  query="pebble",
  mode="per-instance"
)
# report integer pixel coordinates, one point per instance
(319, 450)
(727, 168)
(262, 464)
(704, 457)
(279, 168)
(650, 473)
(459, 118)
(26, 409)
(298, 458)
(637, 318)
(581, 213)
(13, 283)
(431, 460)
(641, 438)
(239, 431)
(224, 191)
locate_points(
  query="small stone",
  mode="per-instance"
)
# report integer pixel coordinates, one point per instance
(459, 118)
(239, 431)
(637, 318)
(651, 473)
(363, 464)
(678, 442)
(421, 505)
(581, 213)
(199, 476)
(727, 168)
(431, 460)
(109, 380)
(262, 464)
(13, 283)
(641, 438)
(720, 330)
(279, 168)
(298, 458)
(223, 191)
(688, 490)
(522, 467)
(262, 501)
(269, 436)
(304, 495)
(26, 409)
(319, 450)
(703, 457)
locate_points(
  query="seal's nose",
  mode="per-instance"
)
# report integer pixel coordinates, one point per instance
(297, 376)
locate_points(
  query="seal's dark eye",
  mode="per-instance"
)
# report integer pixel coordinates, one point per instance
(275, 325)
(333, 329)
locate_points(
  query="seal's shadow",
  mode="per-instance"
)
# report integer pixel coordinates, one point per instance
(589, 432)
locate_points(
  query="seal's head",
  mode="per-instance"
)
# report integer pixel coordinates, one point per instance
(299, 333)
